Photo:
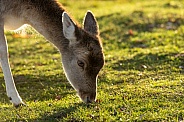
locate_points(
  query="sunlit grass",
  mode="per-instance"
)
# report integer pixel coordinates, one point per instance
(142, 79)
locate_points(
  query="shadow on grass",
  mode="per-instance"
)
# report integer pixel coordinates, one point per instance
(60, 114)
(150, 62)
(139, 21)
(120, 28)
(54, 115)
(38, 88)
(159, 66)
(145, 61)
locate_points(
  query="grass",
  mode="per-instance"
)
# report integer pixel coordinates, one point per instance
(143, 79)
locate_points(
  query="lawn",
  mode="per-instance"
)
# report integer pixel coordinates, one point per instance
(142, 80)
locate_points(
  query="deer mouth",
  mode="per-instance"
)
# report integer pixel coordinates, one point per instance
(87, 97)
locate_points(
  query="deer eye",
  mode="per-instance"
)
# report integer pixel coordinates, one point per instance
(80, 63)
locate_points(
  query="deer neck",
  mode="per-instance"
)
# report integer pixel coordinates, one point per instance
(43, 15)
(48, 22)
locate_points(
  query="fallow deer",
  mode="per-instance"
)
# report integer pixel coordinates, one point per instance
(80, 47)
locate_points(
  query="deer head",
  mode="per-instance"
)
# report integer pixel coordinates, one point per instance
(83, 57)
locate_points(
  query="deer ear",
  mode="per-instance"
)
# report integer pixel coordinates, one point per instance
(90, 23)
(68, 27)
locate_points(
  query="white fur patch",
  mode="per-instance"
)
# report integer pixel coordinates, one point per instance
(13, 23)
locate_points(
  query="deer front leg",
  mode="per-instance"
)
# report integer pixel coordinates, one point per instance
(9, 82)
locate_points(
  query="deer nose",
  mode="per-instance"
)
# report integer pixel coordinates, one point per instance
(87, 97)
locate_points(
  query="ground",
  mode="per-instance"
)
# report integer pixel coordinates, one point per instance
(142, 80)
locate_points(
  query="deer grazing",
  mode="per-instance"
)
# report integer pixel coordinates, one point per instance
(80, 47)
